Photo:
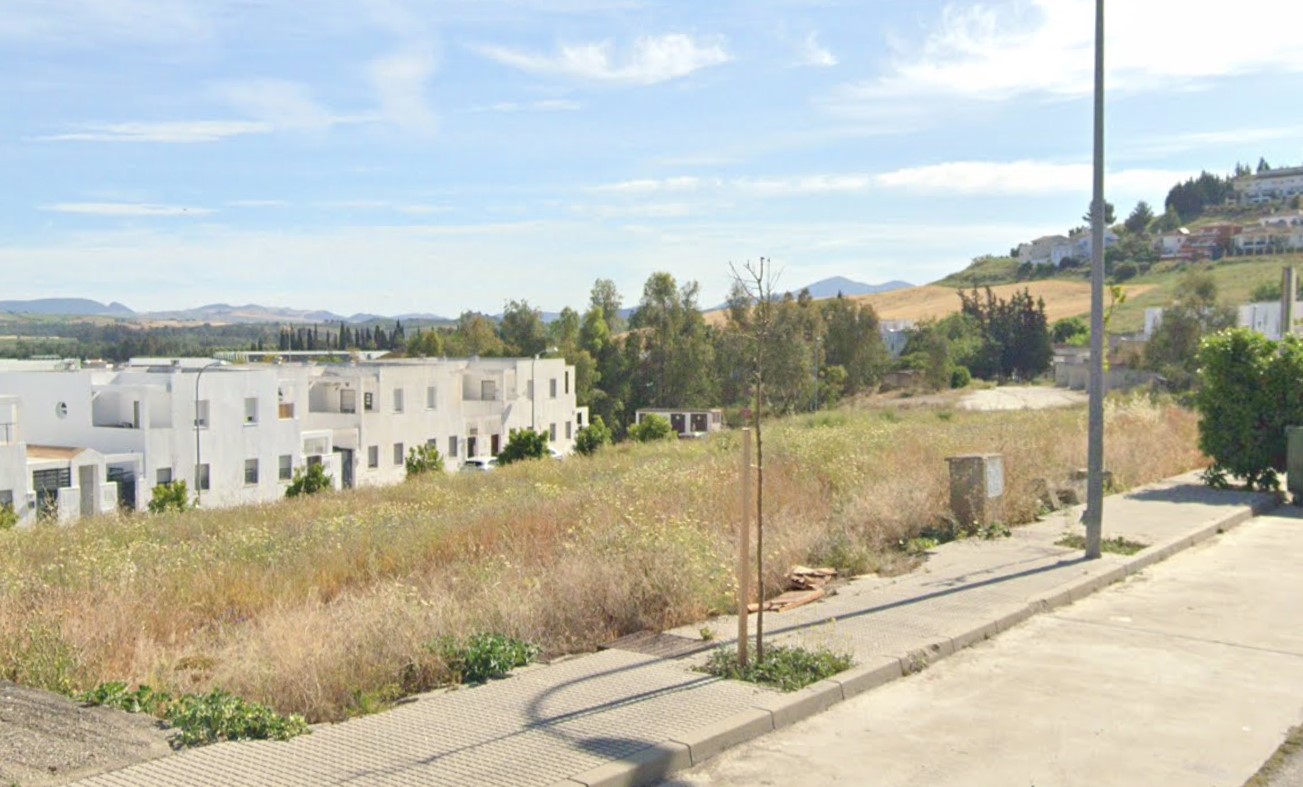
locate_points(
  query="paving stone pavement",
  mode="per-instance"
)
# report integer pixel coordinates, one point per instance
(618, 717)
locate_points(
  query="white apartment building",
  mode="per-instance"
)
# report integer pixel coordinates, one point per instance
(1270, 186)
(895, 335)
(1047, 250)
(1263, 318)
(236, 433)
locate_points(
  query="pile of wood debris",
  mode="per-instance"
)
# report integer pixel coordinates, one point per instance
(803, 585)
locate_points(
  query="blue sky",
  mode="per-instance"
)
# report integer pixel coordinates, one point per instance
(403, 155)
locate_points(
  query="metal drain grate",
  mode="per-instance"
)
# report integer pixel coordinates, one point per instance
(664, 646)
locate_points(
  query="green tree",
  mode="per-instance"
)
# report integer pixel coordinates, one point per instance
(8, 517)
(423, 459)
(1172, 350)
(1138, 220)
(309, 481)
(606, 299)
(169, 497)
(475, 334)
(677, 348)
(522, 329)
(1110, 217)
(1068, 329)
(523, 444)
(591, 438)
(1016, 334)
(853, 340)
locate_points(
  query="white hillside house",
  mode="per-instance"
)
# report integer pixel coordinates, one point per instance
(1270, 186)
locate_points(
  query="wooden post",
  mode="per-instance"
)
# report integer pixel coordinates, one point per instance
(744, 551)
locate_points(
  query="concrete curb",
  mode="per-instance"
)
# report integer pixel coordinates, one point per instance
(776, 711)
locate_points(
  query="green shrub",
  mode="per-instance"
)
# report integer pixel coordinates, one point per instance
(423, 459)
(483, 656)
(309, 481)
(652, 427)
(592, 437)
(8, 517)
(1252, 389)
(784, 667)
(960, 377)
(200, 718)
(170, 497)
(523, 444)
(218, 716)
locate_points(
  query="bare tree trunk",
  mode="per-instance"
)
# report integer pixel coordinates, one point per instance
(760, 516)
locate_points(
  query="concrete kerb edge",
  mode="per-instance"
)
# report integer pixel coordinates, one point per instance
(864, 677)
(645, 766)
(705, 742)
(795, 706)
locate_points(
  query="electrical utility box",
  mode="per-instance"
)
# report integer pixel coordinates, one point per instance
(977, 488)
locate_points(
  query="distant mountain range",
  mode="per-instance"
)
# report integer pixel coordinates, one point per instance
(253, 313)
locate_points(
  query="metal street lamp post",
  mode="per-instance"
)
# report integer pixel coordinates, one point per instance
(1094, 516)
(198, 481)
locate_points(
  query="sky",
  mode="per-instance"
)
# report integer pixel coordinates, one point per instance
(395, 156)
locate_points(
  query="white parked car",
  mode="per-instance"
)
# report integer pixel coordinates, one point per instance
(480, 464)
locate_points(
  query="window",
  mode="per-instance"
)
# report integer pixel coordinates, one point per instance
(348, 401)
(488, 390)
(373, 456)
(579, 420)
(285, 471)
(452, 447)
(398, 453)
(567, 381)
(251, 409)
(316, 446)
(551, 432)
(7, 499)
(201, 477)
(495, 444)
(432, 397)
(551, 389)
(201, 413)
(250, 472)
(398, 400)
(163, 476)
(568, 432)
(369, 402)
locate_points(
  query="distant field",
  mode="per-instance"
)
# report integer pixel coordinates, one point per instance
(1062, 299)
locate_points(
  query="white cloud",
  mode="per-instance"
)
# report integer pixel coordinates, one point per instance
(955, 178)
(257, 203)
(652, 59)
(279, 103)
(999, 51)
(401, 82)
(654, 185)
(169, 132)
(125, 209)
(812, 53)
(545, 105)
(80, 22)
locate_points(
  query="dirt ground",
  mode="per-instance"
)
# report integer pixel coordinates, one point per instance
(46, 739)
(1021, 397)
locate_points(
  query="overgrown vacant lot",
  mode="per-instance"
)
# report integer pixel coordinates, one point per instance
(324, 606)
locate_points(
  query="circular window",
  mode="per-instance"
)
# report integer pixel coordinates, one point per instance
(61, 409)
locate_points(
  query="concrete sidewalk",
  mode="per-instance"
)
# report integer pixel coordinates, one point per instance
(1189, 674)
(620, 717)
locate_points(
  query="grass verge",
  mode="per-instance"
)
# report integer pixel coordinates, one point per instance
(1291, 748)
(785, 667)
(200, 719)
(1117, 545)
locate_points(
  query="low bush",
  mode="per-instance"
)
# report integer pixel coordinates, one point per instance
(200, 718)
(1252, 389)
(522, 445)
(423, 459)
(482, 657)
(1118, 545)
(652, 427)
(784, 667)
(592, 437)
(8, 517)
(169, 497)
(309, 481)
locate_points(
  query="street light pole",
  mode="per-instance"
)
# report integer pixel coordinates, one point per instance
(198, 377)
(1094, 516)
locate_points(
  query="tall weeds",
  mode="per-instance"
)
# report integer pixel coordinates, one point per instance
(311, 604)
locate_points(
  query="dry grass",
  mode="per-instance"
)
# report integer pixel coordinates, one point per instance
(319, 606)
